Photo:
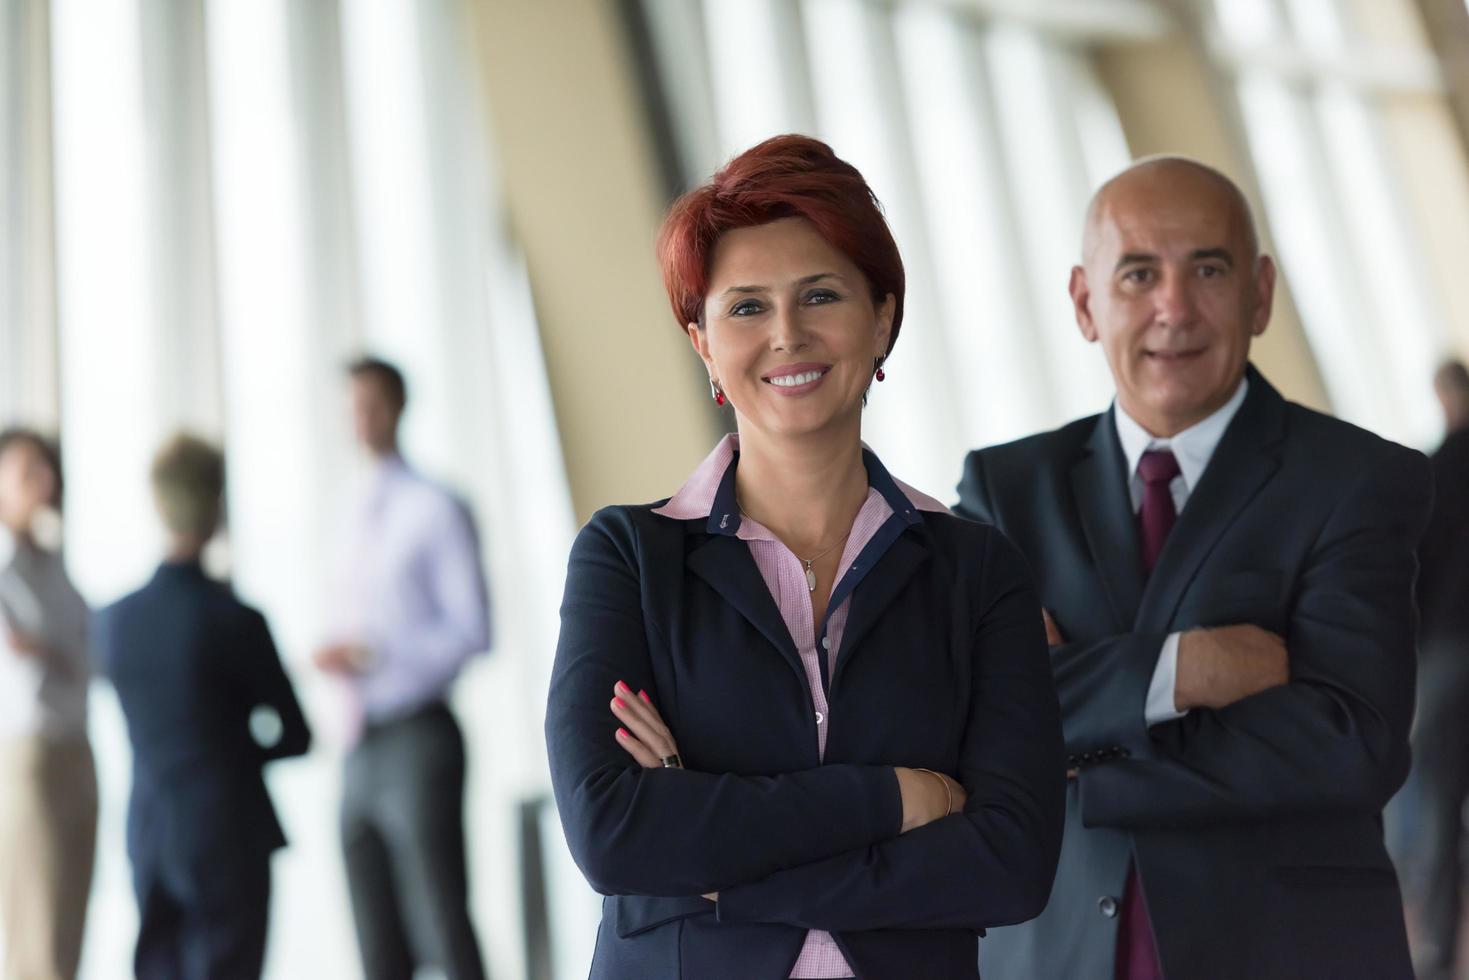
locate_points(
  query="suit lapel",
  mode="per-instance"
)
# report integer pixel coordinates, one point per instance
(899, 561)
(1099, 486)
(1247, 456)
(725, 563)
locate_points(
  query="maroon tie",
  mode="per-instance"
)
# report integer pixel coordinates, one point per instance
(1155, 518)
(1137, 952)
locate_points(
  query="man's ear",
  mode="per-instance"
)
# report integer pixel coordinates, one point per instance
(1264, 294)
(1081, 297)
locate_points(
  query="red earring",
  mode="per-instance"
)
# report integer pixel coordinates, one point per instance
(716, 392)
(879, 375)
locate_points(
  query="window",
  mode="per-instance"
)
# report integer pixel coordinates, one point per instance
(983, 135)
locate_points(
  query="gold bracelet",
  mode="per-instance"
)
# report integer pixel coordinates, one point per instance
(948, 793)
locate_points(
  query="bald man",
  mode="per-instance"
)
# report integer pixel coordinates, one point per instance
(1228, 582)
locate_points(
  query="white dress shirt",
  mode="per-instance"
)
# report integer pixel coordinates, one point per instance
(43, 694)
(1193, 448)
(412, 591)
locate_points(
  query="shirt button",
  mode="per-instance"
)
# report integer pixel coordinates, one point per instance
(1107, 905)
(826, 643)
(820, 718)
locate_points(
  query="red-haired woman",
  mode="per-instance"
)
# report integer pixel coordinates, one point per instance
(802, 721)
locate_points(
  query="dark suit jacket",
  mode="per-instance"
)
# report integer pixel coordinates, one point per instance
(190, 663)
(1255, 828)
(942, 666)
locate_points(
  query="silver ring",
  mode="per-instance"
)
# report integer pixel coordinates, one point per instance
(671, 761)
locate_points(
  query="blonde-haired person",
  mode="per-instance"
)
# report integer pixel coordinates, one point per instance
(48, 786)
(192, 665)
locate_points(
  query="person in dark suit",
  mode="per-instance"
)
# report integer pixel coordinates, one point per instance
(198, 678)
(801, 721)
(1441, 735)
(1228, 579)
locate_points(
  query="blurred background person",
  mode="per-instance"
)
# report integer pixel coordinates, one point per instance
(208, 704)
(48, 786)
(414, 609)
(1441, 735)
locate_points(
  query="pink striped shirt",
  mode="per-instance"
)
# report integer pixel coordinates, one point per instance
(785, 577)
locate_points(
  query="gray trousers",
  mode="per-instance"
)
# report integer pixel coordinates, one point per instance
(403, 839)
(48, 831)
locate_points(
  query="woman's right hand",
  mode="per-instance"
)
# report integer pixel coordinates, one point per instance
(924, 796)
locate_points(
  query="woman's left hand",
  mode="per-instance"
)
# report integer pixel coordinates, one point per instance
(643, 736)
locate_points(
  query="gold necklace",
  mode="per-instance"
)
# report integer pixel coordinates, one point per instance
(810, 572)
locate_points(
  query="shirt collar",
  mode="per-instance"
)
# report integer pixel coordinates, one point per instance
(1193, 447)
(709, 491)
(180, 569)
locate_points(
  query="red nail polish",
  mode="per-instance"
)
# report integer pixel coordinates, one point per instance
(623, 733)
(619, 702)
(644, 696)
(622, 686)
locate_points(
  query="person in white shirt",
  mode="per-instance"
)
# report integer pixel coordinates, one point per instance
(412, 610)
(48, 785)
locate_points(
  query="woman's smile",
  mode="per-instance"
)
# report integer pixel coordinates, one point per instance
(797, 379)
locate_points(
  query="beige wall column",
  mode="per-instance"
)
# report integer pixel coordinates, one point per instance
(1446, 23)
(1429, 138)
(582, 191)
(1169, 102)
(29, 389)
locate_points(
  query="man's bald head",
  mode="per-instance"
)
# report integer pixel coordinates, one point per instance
(1153, 180)
(1174, 288)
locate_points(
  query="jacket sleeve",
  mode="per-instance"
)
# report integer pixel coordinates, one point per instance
(1335, 738)
(264, 679)
(1102, 683)
(994, 863)
(673, 832)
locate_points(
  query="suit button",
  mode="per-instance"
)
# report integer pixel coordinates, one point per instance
(1086, 758)
(1071, 761)
(826, 643)
(1107, 905)
(1124, 753)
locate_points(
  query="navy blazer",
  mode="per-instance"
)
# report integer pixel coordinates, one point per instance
(190, 663)
(943, 665)
(1255, 828)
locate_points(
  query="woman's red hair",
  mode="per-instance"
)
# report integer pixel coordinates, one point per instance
(784, 177)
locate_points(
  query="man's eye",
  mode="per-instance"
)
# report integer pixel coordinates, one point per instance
(1138, 277)
(1210, 271)
(745, 307)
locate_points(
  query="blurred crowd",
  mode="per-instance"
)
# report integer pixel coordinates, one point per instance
(208, 705)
